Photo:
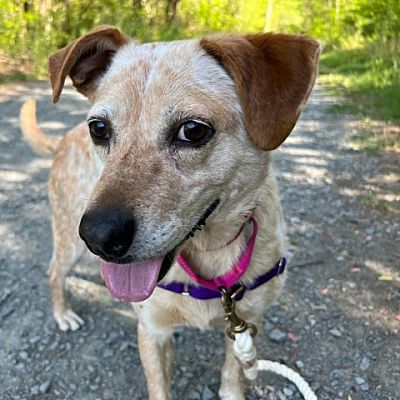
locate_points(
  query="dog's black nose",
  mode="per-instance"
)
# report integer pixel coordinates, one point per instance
(107, 232)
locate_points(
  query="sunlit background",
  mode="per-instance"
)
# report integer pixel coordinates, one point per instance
(360, 37)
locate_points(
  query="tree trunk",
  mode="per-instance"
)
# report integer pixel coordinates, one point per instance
(66, 26)
(44, 11)
(268, 16)
(170, 14)
(308, 15)
(44, 6)
(337, 11)
(137, 4)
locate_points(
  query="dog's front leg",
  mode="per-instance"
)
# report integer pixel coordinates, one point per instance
(231, 376)
(156, 353)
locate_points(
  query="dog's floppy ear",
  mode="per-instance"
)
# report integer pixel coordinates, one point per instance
(274, 75)
(85, 59)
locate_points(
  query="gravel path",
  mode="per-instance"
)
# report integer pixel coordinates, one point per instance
(335, 322)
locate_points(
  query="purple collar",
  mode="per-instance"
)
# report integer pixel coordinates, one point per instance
(203, 293)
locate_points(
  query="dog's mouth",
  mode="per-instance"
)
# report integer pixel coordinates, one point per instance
(136, 281)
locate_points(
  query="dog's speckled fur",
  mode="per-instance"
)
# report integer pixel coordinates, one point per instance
(251, 89)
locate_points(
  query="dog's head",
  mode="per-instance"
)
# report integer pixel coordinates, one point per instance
(183, 132)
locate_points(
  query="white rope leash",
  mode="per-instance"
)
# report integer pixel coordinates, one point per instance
(245, 351)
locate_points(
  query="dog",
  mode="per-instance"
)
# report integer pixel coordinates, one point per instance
(169, 181)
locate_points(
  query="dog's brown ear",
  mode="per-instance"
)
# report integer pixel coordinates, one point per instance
(85, 59)
(274, 75)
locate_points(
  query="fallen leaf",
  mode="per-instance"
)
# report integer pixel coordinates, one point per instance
(292, 337)
(355, 269)
(385, 278)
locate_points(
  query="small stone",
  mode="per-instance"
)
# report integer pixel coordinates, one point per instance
(364, 387)
(4, 296)
(93, 388)
(311, 320)
(20, 366)
(194, 395)
(39, 314)
(365, 363)
(53, 346)
(370, 231)
(207, 394)
(337, 374)
(267, 326)
(281, 396)
(335, 333)
(23, 355)
(277, 335)
(72, 386)
(35, 390)
(299, 364)
(108, 353)
(219, 351)
(6, 312)
(359, 380)
(288, 392)
(34, 339)
(112, 337)
(124, 345)
(44, 387)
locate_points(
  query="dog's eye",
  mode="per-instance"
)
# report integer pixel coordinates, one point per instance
(100, 131)
(193, 133)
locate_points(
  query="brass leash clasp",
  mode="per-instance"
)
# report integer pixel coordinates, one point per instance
(237, 325)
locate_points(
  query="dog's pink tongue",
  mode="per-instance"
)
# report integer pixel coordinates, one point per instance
(131, 282)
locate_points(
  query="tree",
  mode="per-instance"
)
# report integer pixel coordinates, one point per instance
(170, 14)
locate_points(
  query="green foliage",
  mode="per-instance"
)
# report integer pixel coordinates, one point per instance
(379, 19)
(360, 37)
(370, 76)
(31, 29)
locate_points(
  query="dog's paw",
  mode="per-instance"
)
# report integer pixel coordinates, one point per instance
(68, 320)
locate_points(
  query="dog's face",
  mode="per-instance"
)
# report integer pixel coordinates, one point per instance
(182, 132)
(175, 144)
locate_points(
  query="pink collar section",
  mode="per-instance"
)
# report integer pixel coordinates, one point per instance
(231, 277)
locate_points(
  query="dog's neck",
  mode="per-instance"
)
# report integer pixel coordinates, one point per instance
(212, 252)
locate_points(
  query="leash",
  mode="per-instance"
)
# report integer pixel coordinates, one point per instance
(242, 333)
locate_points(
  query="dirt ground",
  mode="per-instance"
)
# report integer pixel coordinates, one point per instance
(335, 322)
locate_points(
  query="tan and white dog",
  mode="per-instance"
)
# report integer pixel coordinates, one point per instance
(177, 133)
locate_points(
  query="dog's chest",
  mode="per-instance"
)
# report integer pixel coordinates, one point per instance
(165, 310)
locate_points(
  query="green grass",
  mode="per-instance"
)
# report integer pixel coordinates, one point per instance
(373, 142)
(379, 204)
(14, 76)
(370, 79)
